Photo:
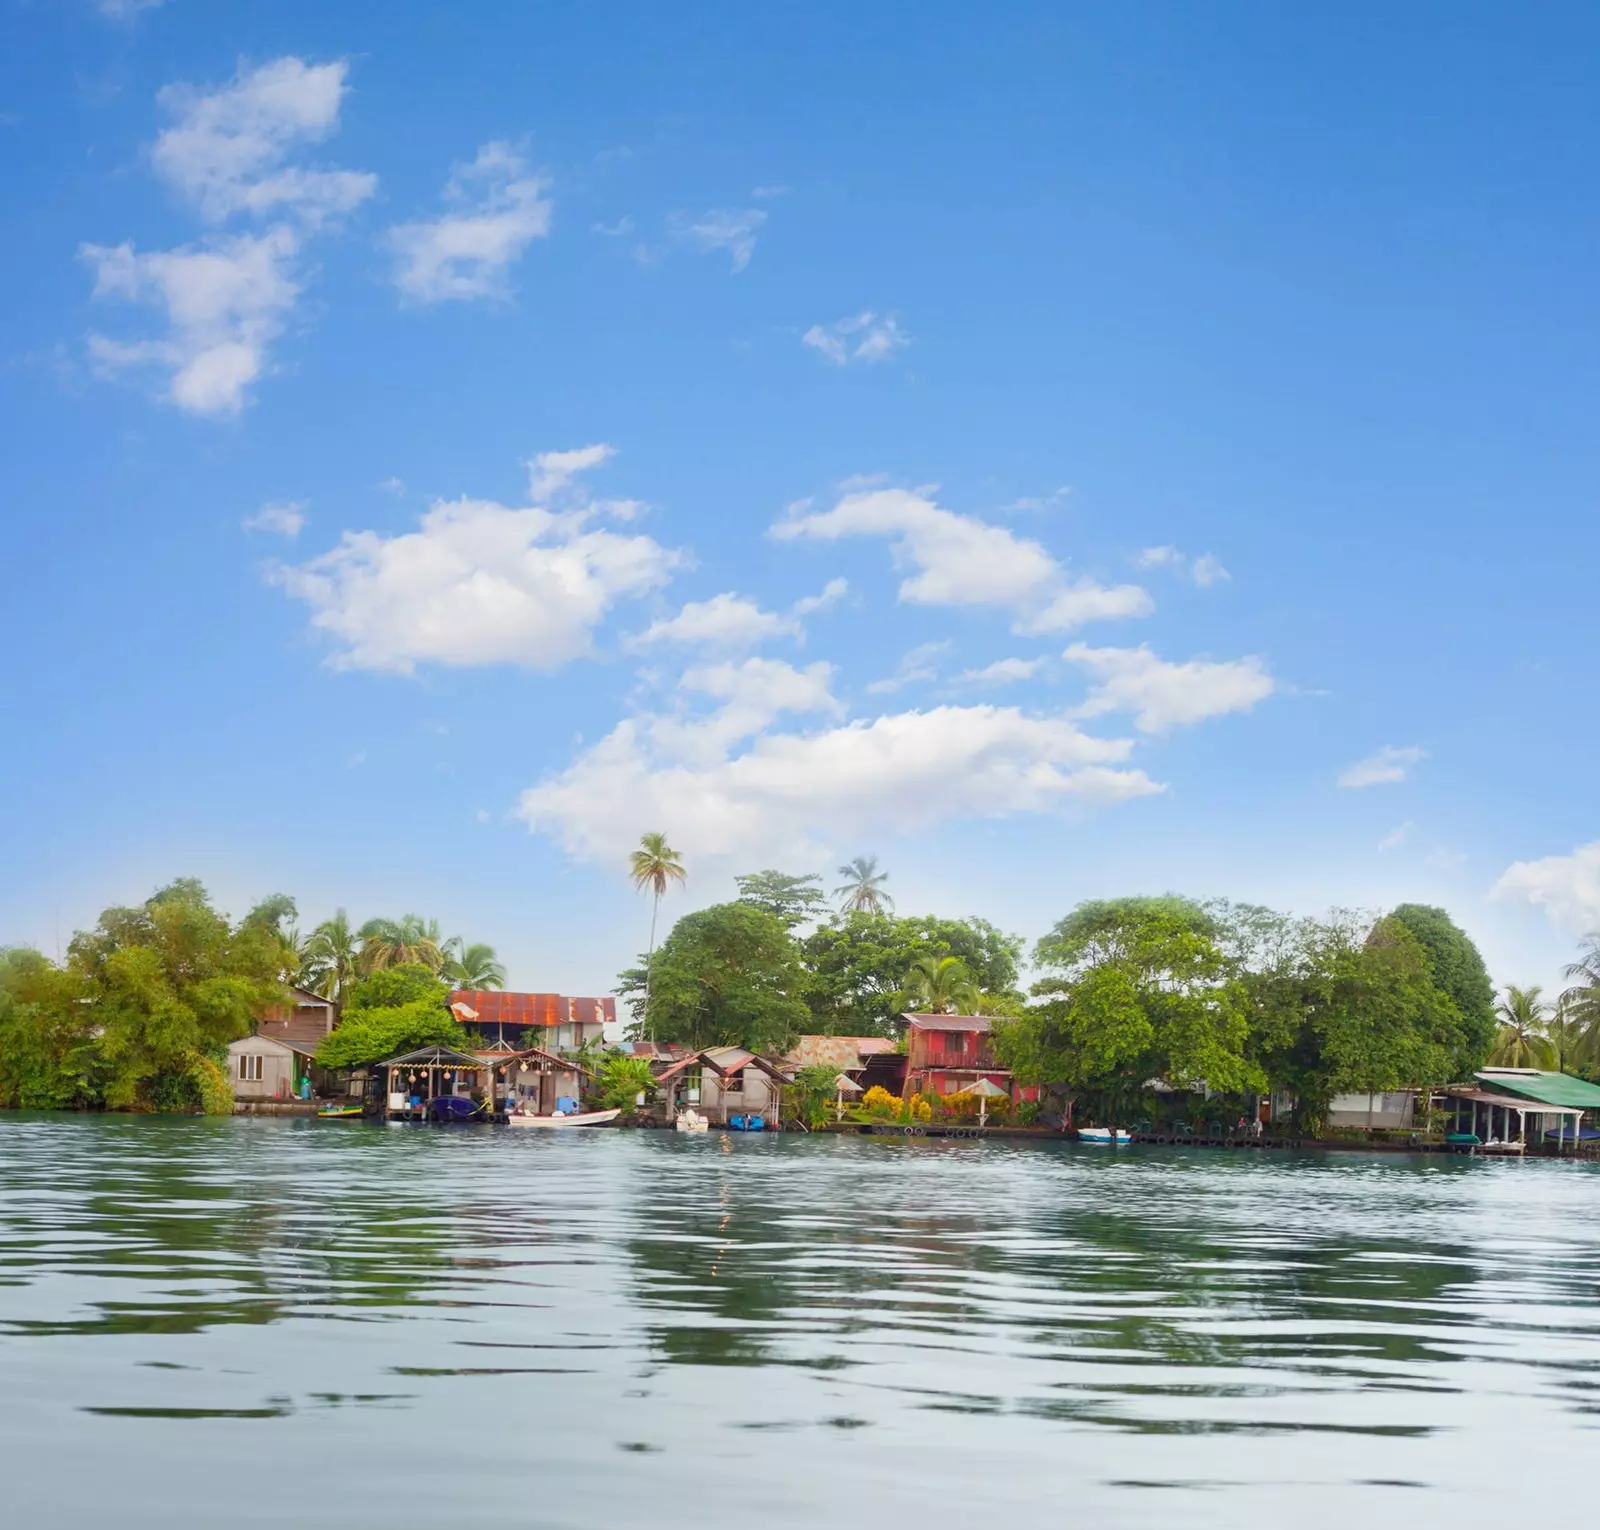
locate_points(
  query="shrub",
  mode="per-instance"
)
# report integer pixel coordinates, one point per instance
(877, 1101)
(1027, 1113)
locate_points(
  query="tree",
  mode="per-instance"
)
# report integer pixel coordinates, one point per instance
(656, 865)
(1134, 989)
(862, 892)
(795, 900)
(1578, 1010)
(621, 1079)
(940, 985)
(1523, 1040)
(474, 966)
(728, 975)
(333, 955)
(400, 942)
(1456, 967)
(389, 1012)
(49, 1059)
(858, 966)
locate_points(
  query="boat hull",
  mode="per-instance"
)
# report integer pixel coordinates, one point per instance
(1101, 1136)
(583, 1118)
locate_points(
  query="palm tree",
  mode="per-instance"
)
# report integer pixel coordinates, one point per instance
(1522, 1041)
(863, 892)
(940, 985)
(398, 942)
(656, 865)
(474, 966)
(331, 956)
(1580, 1003)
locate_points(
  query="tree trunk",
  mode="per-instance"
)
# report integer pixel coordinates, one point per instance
(649, 962)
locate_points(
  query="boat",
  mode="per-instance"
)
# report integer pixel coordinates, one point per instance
(747, 1123)
(692, 1121)
(576, 1118)
(1102, 1136)
(339, 1113)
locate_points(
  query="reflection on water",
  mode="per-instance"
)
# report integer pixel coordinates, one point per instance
(204, 1321)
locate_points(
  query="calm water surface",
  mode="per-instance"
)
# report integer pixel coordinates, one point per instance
(257, 1322)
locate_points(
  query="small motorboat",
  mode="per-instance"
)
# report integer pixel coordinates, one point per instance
(1102, 1136)
(692, 1121)
(339, 1113)
(569, 1118)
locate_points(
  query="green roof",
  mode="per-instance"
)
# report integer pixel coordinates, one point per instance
(1547, 1088)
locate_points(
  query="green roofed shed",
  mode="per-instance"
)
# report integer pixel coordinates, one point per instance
(1548, 1088)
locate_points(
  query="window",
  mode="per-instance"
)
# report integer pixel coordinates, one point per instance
(249, 1068)
(955, 1044)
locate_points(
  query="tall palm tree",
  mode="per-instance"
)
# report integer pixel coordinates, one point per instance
(1580, 1003)
(398, 942)
(332, 954)
(940, 985)
(1523, 1040)
(863, 891)
(656, 865)
(474, 966)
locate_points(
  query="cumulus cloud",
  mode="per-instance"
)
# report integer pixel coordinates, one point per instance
(959, 560)
(866, 337)
(284, 519)
(1383, 766)
(476, 583)
(1566, 887)
(830, 594)
(1002, 672)
(228, 297)
(725, 621)
(723, 228)
(1205, 570)
(496, 210)
(1162, 695)
(793, 792)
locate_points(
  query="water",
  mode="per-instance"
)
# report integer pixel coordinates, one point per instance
(258, 1322)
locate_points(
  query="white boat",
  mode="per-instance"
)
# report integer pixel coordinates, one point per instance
(581, 1118)
(692, 1121)
(1102, 1136)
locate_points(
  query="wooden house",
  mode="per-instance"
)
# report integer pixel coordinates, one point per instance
(551, 1022)
(721, 1082)
(275, 1062)
(947, 1054)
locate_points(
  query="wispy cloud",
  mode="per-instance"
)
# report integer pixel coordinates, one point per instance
(287, 518)
(865, 337)
(1383, 766)
(1002, 672)
(1396, 836)
(722, 228)
(916, 668)
(1205, 570)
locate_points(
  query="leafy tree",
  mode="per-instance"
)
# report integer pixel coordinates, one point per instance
(621, 1078)
(862, 892)
(1522, 1041)
(49, 1059)
(401, 942)
(1456, 967)
(1134, 989)
(815, 1095)
(1577, 1031)
(728, 975)
(390, 987)
(474, 966)
(859, 966)
(795, 900)
(389, 1012)
(940, 985)
(332, 957)
(656, 865)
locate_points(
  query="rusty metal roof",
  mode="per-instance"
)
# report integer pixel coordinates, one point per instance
(978, 1023)
(493, 1006)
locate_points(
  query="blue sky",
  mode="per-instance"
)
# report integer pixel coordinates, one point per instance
(1063, 450)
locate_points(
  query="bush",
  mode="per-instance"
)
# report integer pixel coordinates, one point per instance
(877, 1101)
(1027, 1113)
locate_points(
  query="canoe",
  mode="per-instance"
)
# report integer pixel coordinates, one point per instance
(583, 1118)
(339, 1113)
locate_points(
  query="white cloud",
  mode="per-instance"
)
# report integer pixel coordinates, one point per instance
(1002, 672)
(1205, 570)
(725, 621)
(830, 594)
(477, 583)
(791, 793)
(228, 298)
(393, 486)
(226, 150)
(618, 230)
(1396, 836)
(866, 337)
(1383, 766)
(551, 472)
(915, 667)
(497, 211)
(959, 560)
(284, 519)
(225, 303)
(1162, 695)
(723, 228)
(1566, 887)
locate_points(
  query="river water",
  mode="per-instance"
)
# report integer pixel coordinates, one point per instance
(266, 1322)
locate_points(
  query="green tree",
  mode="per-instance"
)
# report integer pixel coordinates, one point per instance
(621, 1078)
(389, 1012)
(474, 966)
(49, 1056)
(390, 987)
(728, 975)
(333, 957)
(408, 941)
(1133, 989)
(1577, 1028)
(1457, 969)
(795, 900)
(656, 865)
(1523, 1040)
(940, 985)
(814, 1096)
(863, 891)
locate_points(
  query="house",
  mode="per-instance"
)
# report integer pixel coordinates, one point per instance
(1551, 1104)
(275, 1062)
(532, 1080)
(721, 1082)
(946, 1054)
(549, 1021)
(872, 1061)
(1392, 1110)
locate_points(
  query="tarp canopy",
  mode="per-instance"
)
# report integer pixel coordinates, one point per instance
(844, 1084)
(1559, 1089)
(988, 1089)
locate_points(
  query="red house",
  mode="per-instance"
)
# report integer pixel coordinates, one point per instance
(946, 1054)
(551, 1021)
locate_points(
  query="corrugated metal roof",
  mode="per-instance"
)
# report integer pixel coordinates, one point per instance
(836, 1052)
(978, 1023)
(493, 1006)
(1488, 1097)
(1551, 1088)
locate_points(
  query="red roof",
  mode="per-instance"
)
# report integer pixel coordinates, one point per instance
(978, 1023)
(493, 1007)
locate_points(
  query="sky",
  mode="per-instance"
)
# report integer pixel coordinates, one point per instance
(1062, 450)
